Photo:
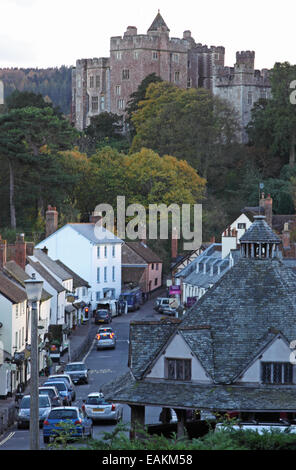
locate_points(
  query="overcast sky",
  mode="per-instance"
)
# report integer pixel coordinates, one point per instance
(50, 33)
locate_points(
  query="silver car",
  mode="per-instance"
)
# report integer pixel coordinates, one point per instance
(96, 408)
(77, 371)
(105, 338)
(23, 417)
(67, 378)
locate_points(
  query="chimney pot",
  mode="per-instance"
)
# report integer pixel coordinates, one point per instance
(51, 222)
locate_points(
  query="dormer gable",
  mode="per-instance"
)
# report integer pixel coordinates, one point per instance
(176, 361)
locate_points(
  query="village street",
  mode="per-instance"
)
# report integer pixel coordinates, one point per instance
(104, 365)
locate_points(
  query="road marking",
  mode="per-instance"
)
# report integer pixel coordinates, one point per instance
(87, 354)
(7, 438)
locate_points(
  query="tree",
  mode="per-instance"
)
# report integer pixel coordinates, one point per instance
(273, 122)
(136, 98)
(22, 99)
(30, 139)
(188, 124)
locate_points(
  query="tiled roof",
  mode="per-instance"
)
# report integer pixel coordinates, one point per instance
(46, 276)
(126, 389)
(14, 270)
(144, 251)
(95, 233)
(130, 256)
(77, 280)
(50, 264)
(10, 290)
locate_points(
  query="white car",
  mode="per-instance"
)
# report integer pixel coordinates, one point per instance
(96, 408)
(68, 379)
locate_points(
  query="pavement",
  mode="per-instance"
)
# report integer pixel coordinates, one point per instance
(80, 341)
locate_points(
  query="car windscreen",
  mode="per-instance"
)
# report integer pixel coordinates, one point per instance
(47, 391)
(95, 401)
(102, 313)
(59, 379)
(62, 414)
(43, 402)
(61, 386)
(74, 367)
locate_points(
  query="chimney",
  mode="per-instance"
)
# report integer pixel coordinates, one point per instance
(174, 246)
(213, 240)
(3, 252)
(51, 222)
(286, 236)
(45, 250)
(20, 250)
(268, 210)
(95, 217)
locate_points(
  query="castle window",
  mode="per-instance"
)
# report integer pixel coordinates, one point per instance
(178, 369)
(102, 103)
(188, 64)
(154, 55)
(250, 97)
(177, 77)
(279, 373)
(91, 81)
(121, 104)
(189, 83)
(118, 55)
(136, 55)
(98, 81)
(176, 58)
(125, 74)
(94, 103)
(118, 90)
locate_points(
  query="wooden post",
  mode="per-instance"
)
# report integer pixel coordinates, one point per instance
(137, 421)
(181, 415)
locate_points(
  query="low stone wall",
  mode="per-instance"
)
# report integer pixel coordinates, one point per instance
(7, 417)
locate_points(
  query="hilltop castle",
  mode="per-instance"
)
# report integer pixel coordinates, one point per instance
(105, 84)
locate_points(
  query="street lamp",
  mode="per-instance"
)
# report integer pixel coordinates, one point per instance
(34, 291)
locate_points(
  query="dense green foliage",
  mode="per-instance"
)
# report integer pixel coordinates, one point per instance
(54, 83)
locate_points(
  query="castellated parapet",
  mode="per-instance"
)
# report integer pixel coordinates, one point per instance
(105, 84)
(242, 86)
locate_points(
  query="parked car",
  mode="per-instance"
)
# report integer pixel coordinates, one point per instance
(102, 316)
(67, 378)
(105, 338)
(82, 425)
(168, 311)
(23, 416)
(77, 371)
(53, 394)
(97, 408)
(63, 389)
(161, 302)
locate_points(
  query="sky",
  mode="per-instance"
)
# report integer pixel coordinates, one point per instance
(51, 33)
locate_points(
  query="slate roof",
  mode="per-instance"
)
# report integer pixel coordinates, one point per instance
(14, 270)
(144, 252)
(50, 264)
(95, 234)
(11, 291)
(77, 280)
(260, 231)
(46, 275)
(157, 23)
(250, 298)
(205, 397)
(146, 340)
(131, 257)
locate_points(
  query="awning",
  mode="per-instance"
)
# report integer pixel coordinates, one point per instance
(70, 309)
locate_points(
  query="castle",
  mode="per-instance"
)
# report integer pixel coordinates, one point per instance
(105, 84)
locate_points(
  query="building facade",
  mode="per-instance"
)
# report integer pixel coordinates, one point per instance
(105, 84)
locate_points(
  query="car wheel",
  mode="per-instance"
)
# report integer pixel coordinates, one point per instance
(46, 439)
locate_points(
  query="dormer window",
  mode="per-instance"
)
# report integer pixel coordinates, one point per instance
(178, 369)
(277, 373)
